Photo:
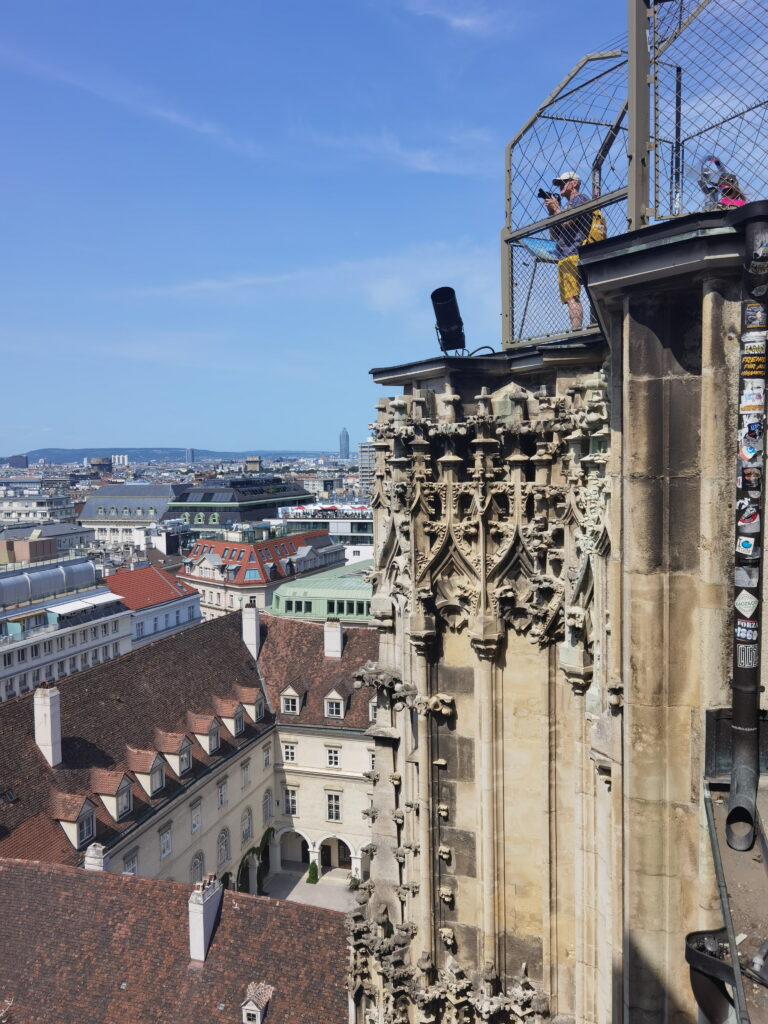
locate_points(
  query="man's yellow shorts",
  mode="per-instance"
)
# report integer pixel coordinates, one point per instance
(568, 278)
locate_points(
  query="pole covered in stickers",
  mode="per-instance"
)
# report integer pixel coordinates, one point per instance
(750, 507)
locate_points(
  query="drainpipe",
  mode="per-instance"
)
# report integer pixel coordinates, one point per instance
(750, 512)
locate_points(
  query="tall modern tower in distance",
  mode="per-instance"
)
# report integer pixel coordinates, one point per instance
(344, 443)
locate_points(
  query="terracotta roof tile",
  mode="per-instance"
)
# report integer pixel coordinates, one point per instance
(67, 806)
(226, 706)
(168, 742)
(143, 588)
(104, 782)
(92, 947)
(140, 760)
(200, 723)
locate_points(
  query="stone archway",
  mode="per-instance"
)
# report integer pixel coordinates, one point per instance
(290, 850)
(334, 852)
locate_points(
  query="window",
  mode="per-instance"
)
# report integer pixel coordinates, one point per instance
(239, 722)
(333, 755)
(166, 620)
(73, 664)
(267, 755)
(190, 613)
(289, 752)
(178, 616)
(222, 848)
(185, 758)
(104, 628)
(166, 842)
(197, 869)
(86, 827)
(372, 711)
(266, 807)
(245, 774)
(221, 793)
(115, 626)
(334, 806)
(8, 659)
(60, 643)
(290, 705)
(131, 863)
(115, 649)
(291, 801)
(9, 687)
(196, 816)
(139, 629)
(35, 676)
(21, 656)
(333, 708)
(260, 711)
(155, 622)
(48, 647)
(34, 651)
(246, 826)
(372, 760)
(72, 640)
(124, 799)
(213, 738)
(156, 779)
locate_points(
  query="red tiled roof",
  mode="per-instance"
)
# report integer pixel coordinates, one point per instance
(267, 558)
(92, 947)
(115, 715)
(66, 806)
(292, 654)
(168, 742)
(200, 723)
(226, 706)
(143, 588)
(105, 782)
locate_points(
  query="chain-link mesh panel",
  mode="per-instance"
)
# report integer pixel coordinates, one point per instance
(708, 134)
(580, 129)
(710, 104)
(536, 308)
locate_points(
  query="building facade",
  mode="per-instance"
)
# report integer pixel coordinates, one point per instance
(56, 621)
(350, 525)
(21, 505)
(342, 593)
(229, 574)
(553, 584)
(160, 604)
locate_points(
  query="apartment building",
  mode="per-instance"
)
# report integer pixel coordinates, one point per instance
(184, 760)
(55, 621)
(229, 574)
(159, 603)
(34, 506)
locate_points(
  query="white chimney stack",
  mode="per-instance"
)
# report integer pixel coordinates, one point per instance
(95, 858)
(204, 906)
(333, 638)
(251, 635)
(48, 723)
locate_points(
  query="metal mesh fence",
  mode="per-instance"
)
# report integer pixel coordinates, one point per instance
(709, 147)
(710, 104)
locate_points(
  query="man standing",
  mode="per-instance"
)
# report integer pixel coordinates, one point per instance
(568, 236)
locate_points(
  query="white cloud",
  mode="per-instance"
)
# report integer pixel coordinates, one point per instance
(474, 18)
(464, 153)
(130, 96)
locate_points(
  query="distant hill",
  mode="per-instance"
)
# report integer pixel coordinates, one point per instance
(59, 456)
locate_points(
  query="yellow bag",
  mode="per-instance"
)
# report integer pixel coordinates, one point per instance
(597, 229)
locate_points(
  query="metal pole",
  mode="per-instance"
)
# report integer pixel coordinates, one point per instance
(638, 141)
(677, 168)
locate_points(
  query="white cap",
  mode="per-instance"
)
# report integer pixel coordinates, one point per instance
(566, 176)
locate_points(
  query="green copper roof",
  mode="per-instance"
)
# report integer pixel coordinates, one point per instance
(344, 584)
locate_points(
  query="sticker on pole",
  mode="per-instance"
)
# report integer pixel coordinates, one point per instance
(747, 655)
(746, 603)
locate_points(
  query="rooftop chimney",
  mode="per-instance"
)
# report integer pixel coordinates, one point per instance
(48, 723)
(333, 638)
(251, 637)
(95, 858)
(204, 904)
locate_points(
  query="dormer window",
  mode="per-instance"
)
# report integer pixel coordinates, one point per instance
(290, 705)
(156, 779)
(333, 708)
(260, 711)
(239, 723)
(86, 827)
(185, 758)
(124, 799)
(213, 738)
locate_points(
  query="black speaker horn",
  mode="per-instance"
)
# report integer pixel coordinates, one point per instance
(448, 322)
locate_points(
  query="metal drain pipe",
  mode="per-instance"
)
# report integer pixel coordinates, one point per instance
(750, 509)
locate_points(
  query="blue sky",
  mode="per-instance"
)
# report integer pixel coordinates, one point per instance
(218, 217)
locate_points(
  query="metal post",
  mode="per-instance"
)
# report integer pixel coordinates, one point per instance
(677, 162)
(638, 141)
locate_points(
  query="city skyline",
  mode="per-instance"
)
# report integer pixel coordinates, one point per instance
(178, 179)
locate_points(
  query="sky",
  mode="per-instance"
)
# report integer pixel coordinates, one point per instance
(218, 217)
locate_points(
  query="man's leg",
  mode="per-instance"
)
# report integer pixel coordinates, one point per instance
(575, 313)
(569, 283)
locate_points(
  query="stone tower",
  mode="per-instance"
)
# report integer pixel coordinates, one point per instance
(552, 574)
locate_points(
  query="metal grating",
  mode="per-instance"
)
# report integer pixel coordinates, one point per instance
(709, 103)
(707, 133)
